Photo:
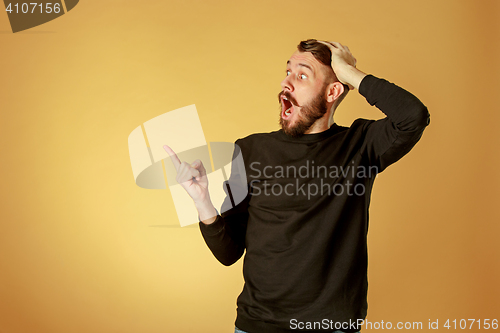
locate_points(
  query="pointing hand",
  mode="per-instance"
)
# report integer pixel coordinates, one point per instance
(192, 177)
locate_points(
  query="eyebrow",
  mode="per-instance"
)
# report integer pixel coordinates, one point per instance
(302, 64)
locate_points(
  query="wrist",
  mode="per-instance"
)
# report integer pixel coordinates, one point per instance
(206, 211)
(351, 76)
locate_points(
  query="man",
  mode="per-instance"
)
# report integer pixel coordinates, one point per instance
(304, 222)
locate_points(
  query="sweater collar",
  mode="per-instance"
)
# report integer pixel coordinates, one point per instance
(310, 137)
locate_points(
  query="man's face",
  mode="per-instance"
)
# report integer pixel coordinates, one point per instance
(303, 99)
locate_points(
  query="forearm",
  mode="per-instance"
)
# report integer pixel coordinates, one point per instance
(405, 110)
(225, 239)
(225, 234)
(390, 138)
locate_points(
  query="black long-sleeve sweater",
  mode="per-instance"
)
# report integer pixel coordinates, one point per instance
(304, 222)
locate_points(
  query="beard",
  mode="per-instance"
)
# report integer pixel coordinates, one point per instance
(308, 114)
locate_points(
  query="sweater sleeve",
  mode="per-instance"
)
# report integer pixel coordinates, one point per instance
(226, 235)
(390, 138)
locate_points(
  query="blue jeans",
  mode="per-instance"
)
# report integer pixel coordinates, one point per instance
(237, 330)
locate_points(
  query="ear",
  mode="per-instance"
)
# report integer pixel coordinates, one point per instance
(333, 91)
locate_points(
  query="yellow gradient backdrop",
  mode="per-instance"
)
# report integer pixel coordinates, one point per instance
(83, 249)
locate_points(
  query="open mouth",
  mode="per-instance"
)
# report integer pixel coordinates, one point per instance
(286, 107)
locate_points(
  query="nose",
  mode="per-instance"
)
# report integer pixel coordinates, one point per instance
(287, 84)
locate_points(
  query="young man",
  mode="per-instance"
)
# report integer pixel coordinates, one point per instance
(304, 222)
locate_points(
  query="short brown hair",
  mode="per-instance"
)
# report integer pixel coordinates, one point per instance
(322, 53)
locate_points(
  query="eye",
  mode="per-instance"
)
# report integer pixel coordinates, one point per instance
(303, 76)
(288, 72)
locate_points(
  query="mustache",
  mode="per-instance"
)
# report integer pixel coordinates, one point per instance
(289, 97)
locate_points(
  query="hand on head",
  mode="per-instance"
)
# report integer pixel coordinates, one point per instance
(342, 58)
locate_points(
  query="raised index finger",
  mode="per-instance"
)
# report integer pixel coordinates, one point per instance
(173, 157)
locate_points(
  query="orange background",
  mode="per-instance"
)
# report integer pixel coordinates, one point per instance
(83, 249)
